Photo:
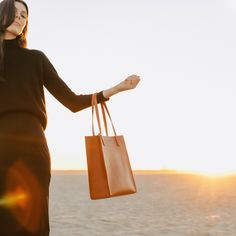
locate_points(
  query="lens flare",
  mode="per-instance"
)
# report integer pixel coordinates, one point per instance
(18, 198)
(23, 196)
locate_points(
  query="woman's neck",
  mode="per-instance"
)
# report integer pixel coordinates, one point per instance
(8, 36)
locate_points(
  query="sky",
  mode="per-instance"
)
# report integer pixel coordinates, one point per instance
(182, 115)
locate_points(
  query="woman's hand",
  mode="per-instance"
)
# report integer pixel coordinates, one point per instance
(129, 83)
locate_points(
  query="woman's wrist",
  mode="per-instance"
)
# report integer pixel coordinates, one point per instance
(110, 92)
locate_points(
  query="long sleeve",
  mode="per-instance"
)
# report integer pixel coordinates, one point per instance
(59, 89)
(26, 73)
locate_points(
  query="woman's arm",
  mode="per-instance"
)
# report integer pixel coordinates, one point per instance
(129, 83)
(59, 89)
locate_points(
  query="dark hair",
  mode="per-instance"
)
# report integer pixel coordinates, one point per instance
(7, 17)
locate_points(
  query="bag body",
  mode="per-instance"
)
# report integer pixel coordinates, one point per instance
(109, 169)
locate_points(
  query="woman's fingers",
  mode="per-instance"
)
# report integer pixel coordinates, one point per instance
(132, 81)
(133, 77)
(129, 83)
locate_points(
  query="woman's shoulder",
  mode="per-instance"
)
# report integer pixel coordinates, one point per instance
(35, 55)
(35, 52)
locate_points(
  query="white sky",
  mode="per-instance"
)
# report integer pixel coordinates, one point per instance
(183, 113)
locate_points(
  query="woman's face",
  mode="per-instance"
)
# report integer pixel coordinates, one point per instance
(19, 23)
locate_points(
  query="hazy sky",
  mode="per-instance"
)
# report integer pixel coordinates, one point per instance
(183, 113)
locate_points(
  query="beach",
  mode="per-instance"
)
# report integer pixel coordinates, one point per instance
(165, 205)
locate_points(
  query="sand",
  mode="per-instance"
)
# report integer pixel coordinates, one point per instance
(165, 205)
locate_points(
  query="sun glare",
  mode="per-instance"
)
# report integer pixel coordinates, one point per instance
(213, 173)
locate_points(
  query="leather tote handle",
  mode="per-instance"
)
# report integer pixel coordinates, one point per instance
(104, 111)
(94, 106)
(104, 118)
(104, 108)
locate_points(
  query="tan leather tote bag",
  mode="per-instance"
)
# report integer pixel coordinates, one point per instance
(109, 170)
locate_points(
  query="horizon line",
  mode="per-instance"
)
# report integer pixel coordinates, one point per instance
(160, 171)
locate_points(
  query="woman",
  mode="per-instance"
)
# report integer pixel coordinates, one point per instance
(24, 154)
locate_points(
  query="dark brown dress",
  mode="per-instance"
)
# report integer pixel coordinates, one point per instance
(24, 176)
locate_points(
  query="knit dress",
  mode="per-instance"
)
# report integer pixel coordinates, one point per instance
(24, 155)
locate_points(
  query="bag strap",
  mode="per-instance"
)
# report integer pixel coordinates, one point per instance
(104, 118)
(94, 106)
(104, 111)
(104, 108)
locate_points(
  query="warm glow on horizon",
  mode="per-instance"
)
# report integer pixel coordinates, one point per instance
(211, 173)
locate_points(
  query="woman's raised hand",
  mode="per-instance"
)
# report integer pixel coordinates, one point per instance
(129, 83)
